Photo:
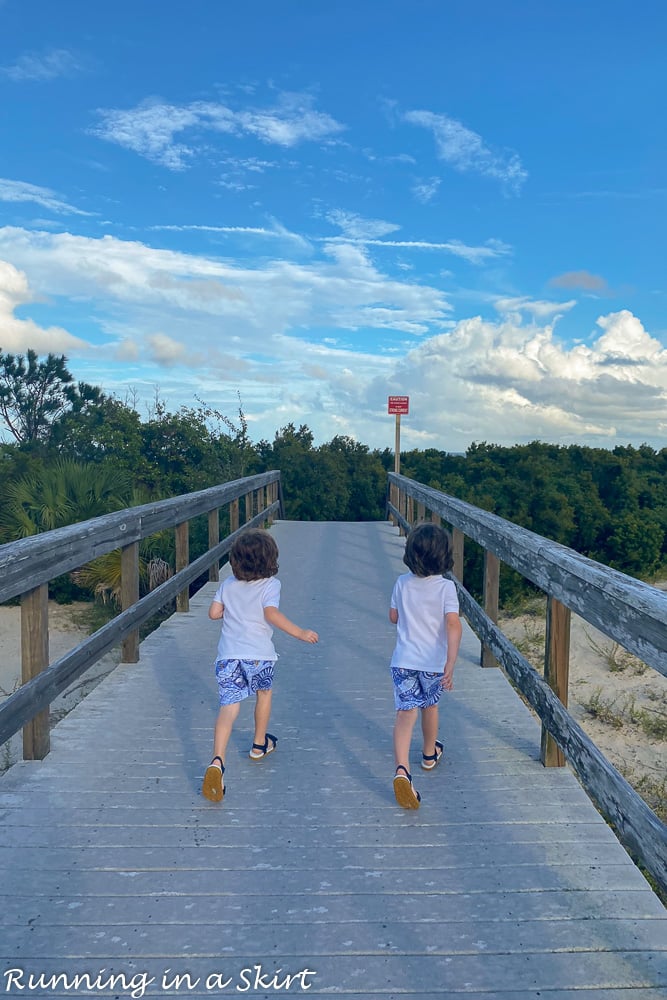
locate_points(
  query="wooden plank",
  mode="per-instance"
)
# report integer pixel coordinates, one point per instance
(34, 659)
(636, 825)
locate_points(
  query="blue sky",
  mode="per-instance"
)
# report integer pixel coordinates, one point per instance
(315, 206)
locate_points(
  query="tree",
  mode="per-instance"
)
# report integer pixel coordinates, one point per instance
(34, 394)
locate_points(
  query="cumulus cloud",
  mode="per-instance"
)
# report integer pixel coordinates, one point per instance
(506, 382)
(466, 151)
(17, 335)
(151, 128)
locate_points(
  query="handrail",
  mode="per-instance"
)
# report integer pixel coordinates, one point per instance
(628, 610)
(27, 565)
(29, 562)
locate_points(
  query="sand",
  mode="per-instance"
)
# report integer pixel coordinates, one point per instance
(620, 702)
(66, 631)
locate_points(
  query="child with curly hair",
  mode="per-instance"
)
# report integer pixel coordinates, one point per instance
(425, 607)
(248, 605)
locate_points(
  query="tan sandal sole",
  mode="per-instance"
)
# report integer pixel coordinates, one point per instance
(212, 787)
(405, 794)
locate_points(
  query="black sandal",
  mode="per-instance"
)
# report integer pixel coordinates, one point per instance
(264, 748)
(406, 796)
(213, 787)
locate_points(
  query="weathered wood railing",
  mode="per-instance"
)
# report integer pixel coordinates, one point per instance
(629, 611)
(26, 566)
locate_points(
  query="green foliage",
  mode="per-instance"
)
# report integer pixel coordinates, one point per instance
(59, 494)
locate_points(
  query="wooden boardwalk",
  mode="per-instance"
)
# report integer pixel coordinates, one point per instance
(505, 884)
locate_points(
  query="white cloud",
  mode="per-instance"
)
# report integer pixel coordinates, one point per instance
(150, 129)
(193, 324)
(466, 151)
(17, 191)
(17, 335)
(425, 191)
(355, 227)
(42, 66)
(538, 308)
(506, 383)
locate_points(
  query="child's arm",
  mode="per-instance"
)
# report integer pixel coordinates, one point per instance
(393, 616)
(276, 618)
(454, 632)
(216, 611)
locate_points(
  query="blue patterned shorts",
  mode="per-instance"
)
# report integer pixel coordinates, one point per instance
(415, 688)
(238, 679)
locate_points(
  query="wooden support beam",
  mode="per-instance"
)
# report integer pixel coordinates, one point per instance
(248, 507)
(35, 659)
(556, 671)
(458, 543)
(129, 595)
(182, 532)
(421, 513)
(213, 539)
(233, 516)
(491, 592)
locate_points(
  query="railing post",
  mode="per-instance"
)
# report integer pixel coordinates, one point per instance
(129, 595)
(491, 592)
(248, 506)
(435, 518)
(213, 539)
(393, 500)
(409, 510)
(458, 542)
(182, 532)
(421, 513)
(556, 671)
(233, 516)
(34, 659)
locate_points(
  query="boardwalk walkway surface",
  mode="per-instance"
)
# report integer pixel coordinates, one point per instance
(505, 884)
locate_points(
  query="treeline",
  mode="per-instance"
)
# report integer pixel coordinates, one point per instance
(77, 453)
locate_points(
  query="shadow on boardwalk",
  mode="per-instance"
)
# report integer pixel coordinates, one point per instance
(506, 883)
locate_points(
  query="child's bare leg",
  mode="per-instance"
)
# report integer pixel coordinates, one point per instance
(223, 728)
(262, 715)
(405, 723)
(430, 728)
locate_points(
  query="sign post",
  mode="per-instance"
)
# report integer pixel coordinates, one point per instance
(398, 405)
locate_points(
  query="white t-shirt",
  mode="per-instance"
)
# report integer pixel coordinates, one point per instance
(245, 634)
(422, 603)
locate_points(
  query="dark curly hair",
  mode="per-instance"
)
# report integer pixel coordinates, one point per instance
(254, 555)
(428, 550)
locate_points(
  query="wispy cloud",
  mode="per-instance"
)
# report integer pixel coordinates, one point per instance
(425, 190)
(42, 66)
(151, 128)
(539, 308)
(22, 191)
(467, 152)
